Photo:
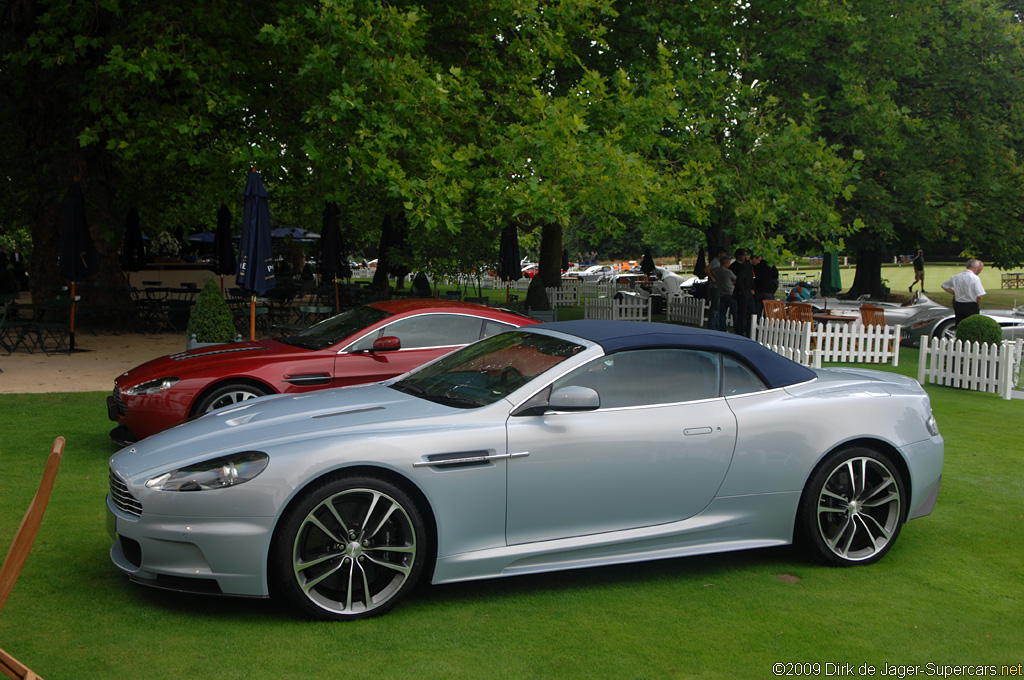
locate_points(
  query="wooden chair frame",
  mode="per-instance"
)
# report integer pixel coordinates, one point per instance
(20, 548)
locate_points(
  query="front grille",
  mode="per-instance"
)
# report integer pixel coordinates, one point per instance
(122, 498)
(122, 408)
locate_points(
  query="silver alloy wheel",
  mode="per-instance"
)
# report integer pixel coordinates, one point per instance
(947, 331)
(858, 509)
(354, 551)
(234, 396)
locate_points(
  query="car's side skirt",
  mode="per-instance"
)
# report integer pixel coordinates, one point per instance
(734, 523)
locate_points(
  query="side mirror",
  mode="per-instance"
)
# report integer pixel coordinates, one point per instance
(575, 398)
(566, 399)
(388, 343)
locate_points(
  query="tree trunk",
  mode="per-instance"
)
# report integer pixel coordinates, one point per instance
(550, 265)
(868, 279)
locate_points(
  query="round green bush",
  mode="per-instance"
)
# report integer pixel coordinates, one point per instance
(978, 328)
(211, 319)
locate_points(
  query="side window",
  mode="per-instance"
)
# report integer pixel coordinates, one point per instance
(738, 379)
(647, 377)
(428, 330)
(495, 327)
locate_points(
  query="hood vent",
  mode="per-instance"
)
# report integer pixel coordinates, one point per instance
(351, 412)
(181, 356)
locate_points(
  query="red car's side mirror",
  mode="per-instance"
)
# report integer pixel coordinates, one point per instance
(388, 343)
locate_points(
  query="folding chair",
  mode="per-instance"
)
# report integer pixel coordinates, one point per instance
(20, 548)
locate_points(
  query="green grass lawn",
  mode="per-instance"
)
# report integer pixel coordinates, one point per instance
(950, 592)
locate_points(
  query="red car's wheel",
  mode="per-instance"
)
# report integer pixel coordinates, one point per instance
(229, 395)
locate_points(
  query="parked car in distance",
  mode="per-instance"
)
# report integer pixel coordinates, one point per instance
(549, 447)
(365, 344)
(920, 316)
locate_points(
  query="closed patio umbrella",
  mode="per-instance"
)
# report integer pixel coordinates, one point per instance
(76, 259)
(333, 264)
(224, 263)
(509, 267)
(133, 250)
(256, 261)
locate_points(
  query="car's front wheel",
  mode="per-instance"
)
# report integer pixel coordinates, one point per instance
(229, 395)
(946, 330)
(350, 548)
(853, 507)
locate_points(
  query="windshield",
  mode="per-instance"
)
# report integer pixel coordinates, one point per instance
(335, 329)
(489, 370)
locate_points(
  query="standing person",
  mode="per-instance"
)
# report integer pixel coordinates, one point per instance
(713, 286)
(18, 265)
(766, 282)
(725, 281)
(744, 291)
(918, 271)
(966, 289)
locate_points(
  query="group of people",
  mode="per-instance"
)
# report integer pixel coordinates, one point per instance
(738, 285)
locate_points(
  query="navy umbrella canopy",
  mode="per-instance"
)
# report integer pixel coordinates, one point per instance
(700, 264)
(76, 258)
(256, 261)
(133, 250)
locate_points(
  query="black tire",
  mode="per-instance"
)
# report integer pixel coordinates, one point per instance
(852, 508)
(350, 548)
(946, 330)
(229, 395)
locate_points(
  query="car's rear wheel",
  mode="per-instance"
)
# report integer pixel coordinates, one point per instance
(351, 548)
(853, 507)
(229, 395)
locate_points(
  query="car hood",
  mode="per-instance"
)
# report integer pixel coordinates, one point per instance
(262, 424)
(204, 358)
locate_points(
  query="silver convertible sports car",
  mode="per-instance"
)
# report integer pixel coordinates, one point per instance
(556, 446)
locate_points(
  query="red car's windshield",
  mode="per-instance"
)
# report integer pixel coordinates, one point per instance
(335, 329)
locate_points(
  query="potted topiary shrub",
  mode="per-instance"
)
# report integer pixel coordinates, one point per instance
(421, 286)
(978, 328)
(211, 321)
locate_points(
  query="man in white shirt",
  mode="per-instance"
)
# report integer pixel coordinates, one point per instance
(966, 289)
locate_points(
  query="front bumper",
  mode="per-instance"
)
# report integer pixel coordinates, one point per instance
(192, 554)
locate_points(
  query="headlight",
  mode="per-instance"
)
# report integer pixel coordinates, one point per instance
(218, 473)
(933, 426)
(151, 387)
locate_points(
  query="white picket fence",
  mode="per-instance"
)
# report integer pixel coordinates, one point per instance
(974, 366)
(685, 309)
(629, 308)
(791, 339)
(812, 345)
(568, 295)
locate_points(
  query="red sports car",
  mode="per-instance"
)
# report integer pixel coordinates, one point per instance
(366, 344)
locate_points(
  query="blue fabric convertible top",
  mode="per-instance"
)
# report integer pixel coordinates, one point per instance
(616, 336)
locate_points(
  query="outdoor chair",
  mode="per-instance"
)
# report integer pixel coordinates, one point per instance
(800, 311)
(775, 310)
(22, 545)
(872, 315)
